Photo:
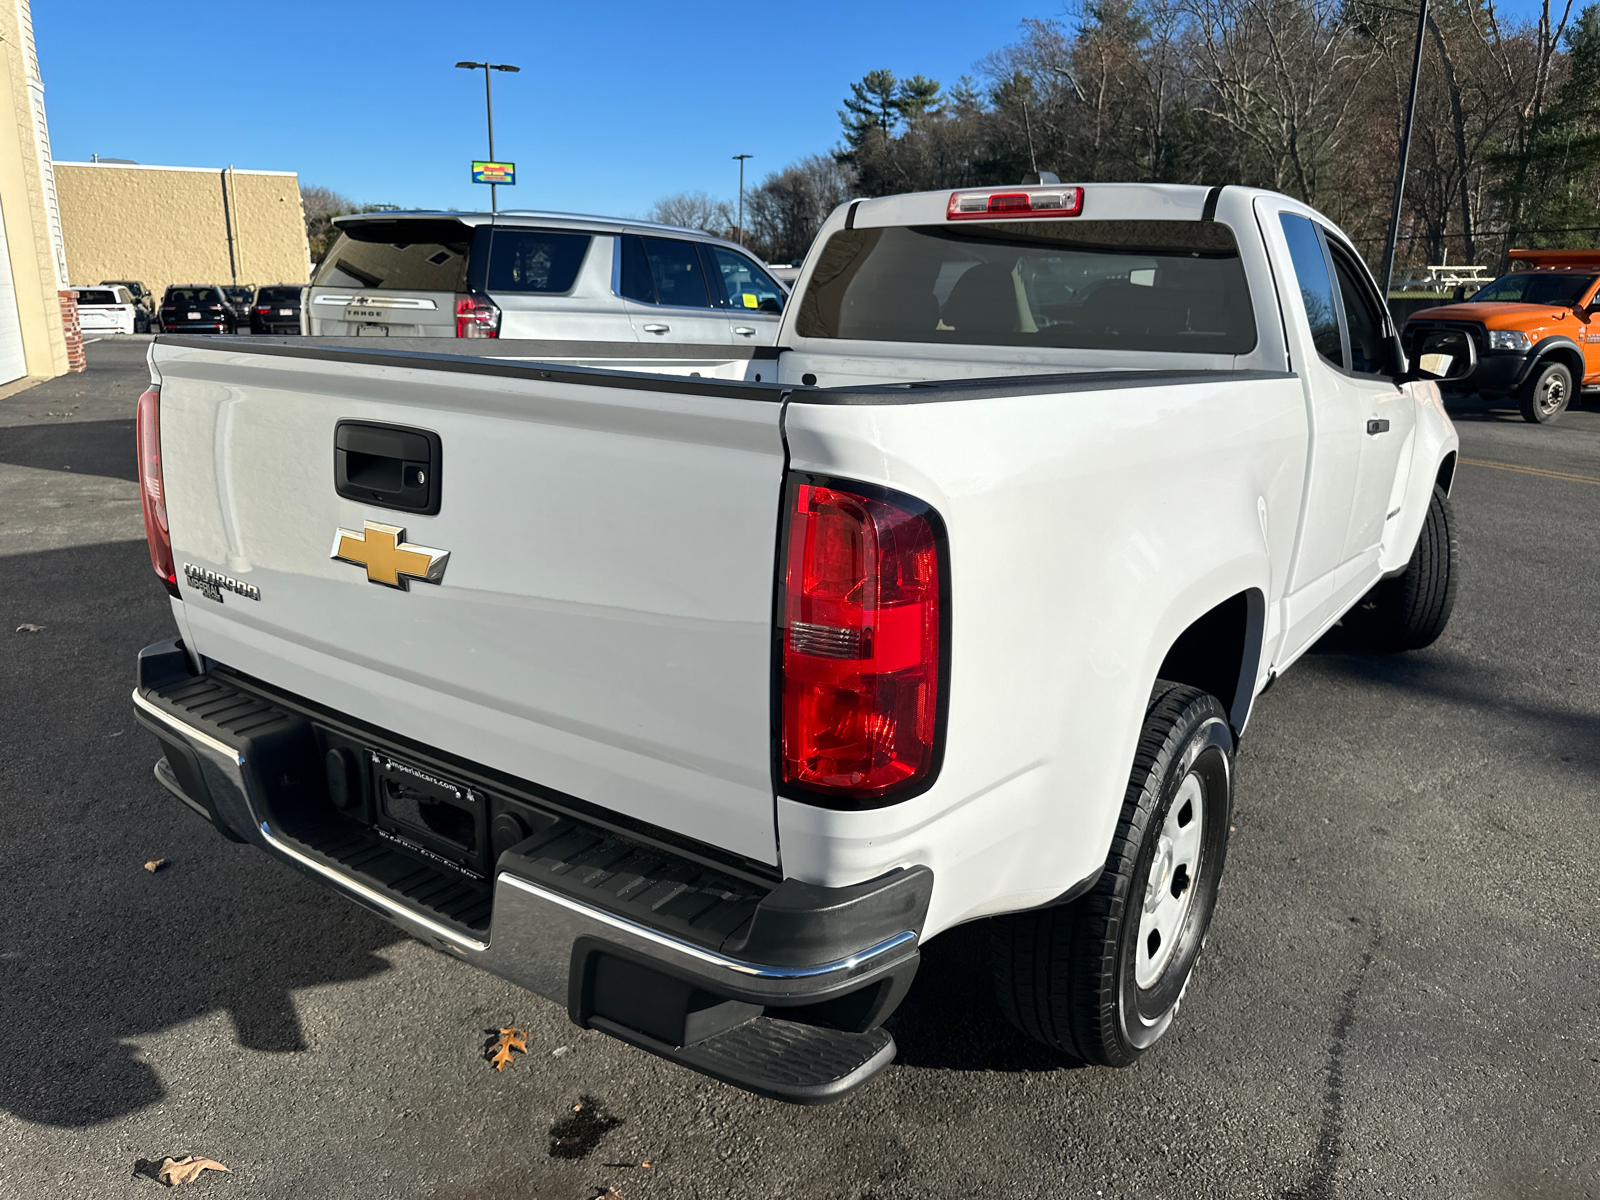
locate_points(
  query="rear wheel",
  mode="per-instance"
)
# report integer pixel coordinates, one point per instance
(1100, 979)
(1410, 610)
(1546, 394)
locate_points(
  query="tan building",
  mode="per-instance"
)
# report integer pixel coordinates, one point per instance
(33, 268)
(181, 225)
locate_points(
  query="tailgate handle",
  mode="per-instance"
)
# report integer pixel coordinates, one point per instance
(391, 466)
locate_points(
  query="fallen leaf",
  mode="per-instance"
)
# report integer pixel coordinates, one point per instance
(610, 1193)
(25, 627)
(647, 1164)
(510, 1039)
(186, 1170)
(155, 864)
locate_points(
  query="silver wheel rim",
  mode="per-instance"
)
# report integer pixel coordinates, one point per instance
(1551, 393)
(1170, 887)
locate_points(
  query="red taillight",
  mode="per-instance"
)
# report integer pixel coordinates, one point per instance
(264, 310)
(863, 615)
(152, 496)
(476, 317)
(1035, 202)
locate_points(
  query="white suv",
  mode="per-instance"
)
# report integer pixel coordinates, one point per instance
(548, 276)
(109, 308)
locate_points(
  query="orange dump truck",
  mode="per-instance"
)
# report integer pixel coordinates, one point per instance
(1536, 331)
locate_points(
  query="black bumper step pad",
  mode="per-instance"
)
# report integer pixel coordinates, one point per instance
(782, 1060)
(627, 876)
(443, 894)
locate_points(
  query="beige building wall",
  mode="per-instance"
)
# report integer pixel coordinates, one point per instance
(27, 198)
(181, 225)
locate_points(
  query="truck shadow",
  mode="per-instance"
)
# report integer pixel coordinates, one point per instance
(1510, 719)
(82, 447)
(83, 987)
(96, 953)
(950, 1019)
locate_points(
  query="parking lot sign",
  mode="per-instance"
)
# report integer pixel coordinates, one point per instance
(494, 172)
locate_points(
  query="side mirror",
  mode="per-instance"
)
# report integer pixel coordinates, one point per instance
(1444, 356)
(1458, 294)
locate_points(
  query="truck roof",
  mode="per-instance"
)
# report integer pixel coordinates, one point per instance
(536, 218)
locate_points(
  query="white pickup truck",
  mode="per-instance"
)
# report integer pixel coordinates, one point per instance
(698, 704)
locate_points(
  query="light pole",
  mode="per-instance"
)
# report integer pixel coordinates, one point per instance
(1405, 153)
(741, 158)
(488, 103)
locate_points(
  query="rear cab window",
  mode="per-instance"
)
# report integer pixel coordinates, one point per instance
(191, 296)
(94, 296)
(278, 295)
(1163, 286)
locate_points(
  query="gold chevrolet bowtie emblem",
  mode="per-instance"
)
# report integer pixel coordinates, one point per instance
(388, 557)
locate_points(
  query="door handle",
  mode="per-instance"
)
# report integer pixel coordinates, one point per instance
(1379, 426)
(744, 331)
(657, 328)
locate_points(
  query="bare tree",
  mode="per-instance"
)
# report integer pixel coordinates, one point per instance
(695, 210)
(790, 206)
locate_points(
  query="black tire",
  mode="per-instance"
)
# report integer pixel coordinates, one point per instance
(1546, 393)
(1068, 975)
(1410, 610)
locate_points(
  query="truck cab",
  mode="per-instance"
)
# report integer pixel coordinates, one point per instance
(1535, 331)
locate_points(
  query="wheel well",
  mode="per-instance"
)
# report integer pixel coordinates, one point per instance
(1219, 653)
(1567, 356)
(1447, 473)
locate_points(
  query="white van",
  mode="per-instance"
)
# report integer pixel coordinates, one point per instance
(549, 276)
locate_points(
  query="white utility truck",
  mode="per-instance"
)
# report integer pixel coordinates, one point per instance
(698, 704)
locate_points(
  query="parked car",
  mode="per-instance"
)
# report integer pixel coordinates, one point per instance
(1532, 333)
(105, 309)
(144, 320)
(1060, 479)
(194, 307)
(540, 275)
(241, 297)
(277, 309)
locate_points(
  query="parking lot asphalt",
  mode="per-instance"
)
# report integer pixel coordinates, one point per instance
(1400, 995)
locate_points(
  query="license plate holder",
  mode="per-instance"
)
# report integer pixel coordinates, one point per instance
(438, 820)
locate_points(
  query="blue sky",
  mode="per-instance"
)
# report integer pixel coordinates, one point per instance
(616, 105)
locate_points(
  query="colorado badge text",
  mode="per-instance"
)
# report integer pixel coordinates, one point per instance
(211, 585)
(388, 557)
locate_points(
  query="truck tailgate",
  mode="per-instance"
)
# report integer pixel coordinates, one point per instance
(602, 626)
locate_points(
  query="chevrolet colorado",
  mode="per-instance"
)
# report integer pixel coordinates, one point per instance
(697, 704)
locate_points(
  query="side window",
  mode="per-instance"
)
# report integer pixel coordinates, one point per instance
(534, 260)
(635, 275)
(663, 271)
(1369, 345)
(1316, 287)
(738, 283)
